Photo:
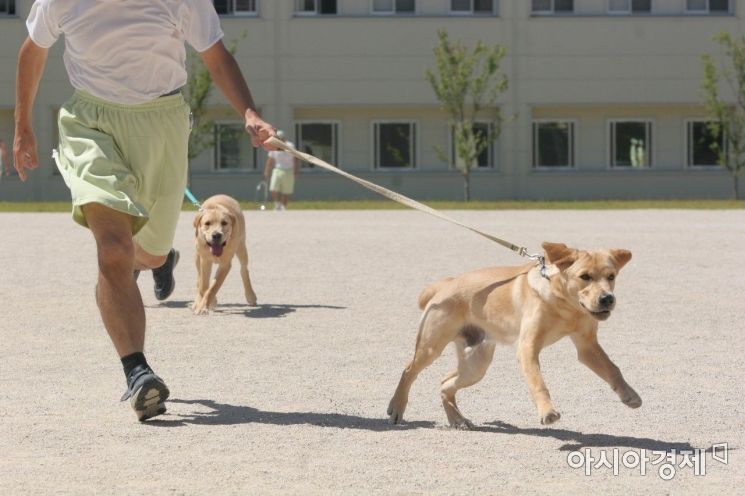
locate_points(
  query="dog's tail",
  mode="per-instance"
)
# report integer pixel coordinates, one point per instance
(431, 290)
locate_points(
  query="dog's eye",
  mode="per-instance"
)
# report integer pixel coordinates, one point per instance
(585, 277)
(224, 223)
(611, 277)
(207, 223)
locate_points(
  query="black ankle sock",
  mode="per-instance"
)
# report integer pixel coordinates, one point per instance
(129, 362)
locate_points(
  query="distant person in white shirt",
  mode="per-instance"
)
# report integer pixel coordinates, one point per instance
(123, 145)
(283, 169)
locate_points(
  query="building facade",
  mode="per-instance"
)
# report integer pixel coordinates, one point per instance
(604, 97)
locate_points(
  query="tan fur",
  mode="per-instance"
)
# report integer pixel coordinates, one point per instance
(220, 214)
(516, 305)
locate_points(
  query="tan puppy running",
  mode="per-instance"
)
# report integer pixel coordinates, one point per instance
(516, 304)
(220, 231)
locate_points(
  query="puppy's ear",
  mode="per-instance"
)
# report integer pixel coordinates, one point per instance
(620, 257)
(559, 254)
(232, 218)
(197, 220)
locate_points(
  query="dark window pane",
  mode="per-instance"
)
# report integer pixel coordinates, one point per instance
(483, 6)
(328, 7)
(641, 5)
(245, 5)
(222, 6)
(696, 5)
(719, 5)
(306, 5)
(234, 150)
(564, 5)
(394, 145)
(630, 144)
(701, 145)
(541, 5)
(318, 140)
(554, 145)
(460, 5)
(405, 5)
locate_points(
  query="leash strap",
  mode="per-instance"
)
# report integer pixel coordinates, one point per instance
(193, 199)
(404, 200)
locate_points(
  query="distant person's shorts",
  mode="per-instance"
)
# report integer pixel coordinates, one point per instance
(131, 158)
(283, 181)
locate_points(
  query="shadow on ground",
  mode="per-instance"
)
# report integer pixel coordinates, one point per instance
(264, 311)
(226, 414)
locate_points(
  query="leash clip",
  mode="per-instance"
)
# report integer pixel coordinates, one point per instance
(535, 256)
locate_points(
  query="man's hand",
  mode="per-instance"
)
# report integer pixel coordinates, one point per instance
(259, 130)
(24, 151)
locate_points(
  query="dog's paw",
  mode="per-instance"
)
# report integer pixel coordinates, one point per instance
(550, 417)
(251, 300)
(395, 413)
(462, 424)
(631, 399)
(199, 309)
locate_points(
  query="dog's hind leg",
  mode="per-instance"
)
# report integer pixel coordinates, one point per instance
(242, 254)
(473, 361)
(436, 330)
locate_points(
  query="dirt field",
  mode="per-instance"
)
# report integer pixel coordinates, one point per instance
(290, 397)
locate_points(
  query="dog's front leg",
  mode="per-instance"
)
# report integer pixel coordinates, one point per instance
(527, 352)
(204, 271)
(210, 297)
(591, 354)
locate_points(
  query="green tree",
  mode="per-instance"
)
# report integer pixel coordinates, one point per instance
(468, 83)
(196, 93)
(727, 114)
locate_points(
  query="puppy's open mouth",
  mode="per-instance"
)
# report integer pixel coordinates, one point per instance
(601, 315)
(216, 248)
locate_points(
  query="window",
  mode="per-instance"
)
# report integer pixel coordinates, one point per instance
(395, 145)
(630, 144)
(485, 159)
(553, 144)
(315, 7)
(552, 6)
(707, 6)
(700, 140)
(393, 6)
(629, 6)
(235, 7)
(318, 139)
(7, 7)
(233, 149)
(485, 7)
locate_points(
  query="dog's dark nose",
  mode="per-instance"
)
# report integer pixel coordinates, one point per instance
(216, 236)
(607, 300)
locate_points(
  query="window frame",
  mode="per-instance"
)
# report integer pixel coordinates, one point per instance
(630, 10)
(572, 141)
(7, 4)
(552, 10)
(241, 13)
(394, 11)
(316, 12)
(413, 147)
(687, 139)
(471, 12)
(216, 150)
(611, 148)
(335, 136)
(491, 151)
(707, 10)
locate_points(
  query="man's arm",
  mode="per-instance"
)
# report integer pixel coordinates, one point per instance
(31, 61)
(229, 80)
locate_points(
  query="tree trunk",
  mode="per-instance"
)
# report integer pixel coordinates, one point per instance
(737, 189)
(467, 186)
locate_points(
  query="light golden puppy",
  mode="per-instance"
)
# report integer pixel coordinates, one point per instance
(517, 304)
(220, 231)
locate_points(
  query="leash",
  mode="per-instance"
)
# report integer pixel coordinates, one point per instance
(404, 200)
(193, 199)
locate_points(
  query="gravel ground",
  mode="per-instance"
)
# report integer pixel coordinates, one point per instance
(290, 397)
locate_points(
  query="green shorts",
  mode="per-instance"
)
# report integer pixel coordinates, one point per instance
(131, 158)
(283, 181)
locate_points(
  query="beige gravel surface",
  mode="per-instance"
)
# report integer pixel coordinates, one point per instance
(289, 397)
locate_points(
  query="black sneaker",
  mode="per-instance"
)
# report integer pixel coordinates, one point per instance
(146, 393)
(163, 276)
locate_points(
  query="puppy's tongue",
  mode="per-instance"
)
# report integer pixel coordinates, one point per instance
(216, 249)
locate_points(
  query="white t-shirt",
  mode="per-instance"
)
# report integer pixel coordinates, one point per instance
(125, 51)
(283, 160)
